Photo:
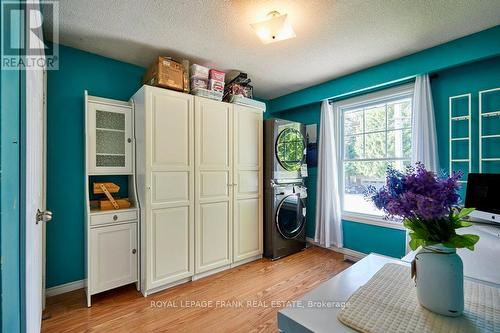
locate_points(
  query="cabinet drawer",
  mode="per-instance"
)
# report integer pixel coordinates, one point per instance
(113, 217)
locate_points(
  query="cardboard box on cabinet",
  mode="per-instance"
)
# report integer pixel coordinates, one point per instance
(166, 73)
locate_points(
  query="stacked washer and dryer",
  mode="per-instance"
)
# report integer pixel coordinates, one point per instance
(285, 193)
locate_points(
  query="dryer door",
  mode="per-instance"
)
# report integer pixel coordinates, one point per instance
(290, 216)
(290, 146)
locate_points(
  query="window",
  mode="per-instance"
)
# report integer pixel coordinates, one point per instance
(375, 132)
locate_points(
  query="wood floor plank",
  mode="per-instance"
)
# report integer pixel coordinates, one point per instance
(243, 299)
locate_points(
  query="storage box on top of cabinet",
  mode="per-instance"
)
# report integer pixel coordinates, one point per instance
(199, 183)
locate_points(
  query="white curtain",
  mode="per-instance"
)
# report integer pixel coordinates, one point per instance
(424, 142)
(328, 221)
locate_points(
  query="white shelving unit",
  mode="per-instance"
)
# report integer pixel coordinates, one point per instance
(111, 236)
(482, 116)
(456, 119)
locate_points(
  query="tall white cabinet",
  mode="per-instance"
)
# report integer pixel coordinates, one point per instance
(247, 183)
(164, 131)
(111, 235)
(213, 184)
(199, 184)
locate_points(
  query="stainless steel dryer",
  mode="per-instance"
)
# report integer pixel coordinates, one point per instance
(284, 150)
(284, 230)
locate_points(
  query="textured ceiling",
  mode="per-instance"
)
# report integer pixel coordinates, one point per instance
(333, 37)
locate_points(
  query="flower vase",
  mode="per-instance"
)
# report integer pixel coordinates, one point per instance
(440, 280)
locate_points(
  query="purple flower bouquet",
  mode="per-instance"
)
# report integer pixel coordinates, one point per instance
(428, 205)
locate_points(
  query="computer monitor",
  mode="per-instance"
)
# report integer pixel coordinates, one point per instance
(483, 194)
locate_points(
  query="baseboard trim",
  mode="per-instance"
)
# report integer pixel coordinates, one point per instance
(64, 288)
(210, 272)
(151, 291)
(246, 260)
(348, 253)
(352, 255)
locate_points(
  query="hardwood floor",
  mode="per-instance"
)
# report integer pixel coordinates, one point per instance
(243, 299)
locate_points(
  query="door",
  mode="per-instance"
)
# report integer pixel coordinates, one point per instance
(291, 216)
(170, 186)
(113, 257)
(289, 149)
(35, 212)
(290, 146)
(110, 137)
(247, 166)
(213, 184)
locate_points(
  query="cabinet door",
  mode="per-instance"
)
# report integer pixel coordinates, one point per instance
(213, 188)
(113, 256)
(248, 209)
(110, 139)
(170, 183)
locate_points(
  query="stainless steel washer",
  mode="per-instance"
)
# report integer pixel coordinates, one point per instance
(285, 220)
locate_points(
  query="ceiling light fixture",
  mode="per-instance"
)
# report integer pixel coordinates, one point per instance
(274, 28)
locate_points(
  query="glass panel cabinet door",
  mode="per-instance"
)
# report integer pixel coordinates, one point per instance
(110, 135)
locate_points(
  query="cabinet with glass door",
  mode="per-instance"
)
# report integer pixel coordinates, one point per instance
(110, 138)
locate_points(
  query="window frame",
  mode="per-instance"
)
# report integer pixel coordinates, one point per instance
(365, 101)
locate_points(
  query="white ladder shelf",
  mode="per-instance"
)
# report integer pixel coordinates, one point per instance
(456, 119)
(483, 116)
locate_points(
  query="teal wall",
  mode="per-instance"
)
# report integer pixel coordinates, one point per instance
(469, 77)
(101, 76)
(10, 225)
(367, 238)
(466, 79)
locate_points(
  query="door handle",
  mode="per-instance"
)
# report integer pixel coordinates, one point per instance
(44, 216)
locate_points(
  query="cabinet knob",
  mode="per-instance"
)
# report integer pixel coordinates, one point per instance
(134, 251)
(129, 140)
(115, 217)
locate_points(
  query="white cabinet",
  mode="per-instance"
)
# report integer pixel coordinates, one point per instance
(247, 183)
(164, 123)
(109, 130)
(113, 260)
(199, 183)
(111, 236)
(213, 184)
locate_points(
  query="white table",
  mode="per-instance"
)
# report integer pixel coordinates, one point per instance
(479, 265)
(337, 289)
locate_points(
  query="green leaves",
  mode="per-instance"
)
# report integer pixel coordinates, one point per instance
(425, 233)
(463, 224)
(465, 212)
(460, 241)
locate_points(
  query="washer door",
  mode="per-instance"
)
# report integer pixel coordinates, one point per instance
(290, 216)
(290, 146)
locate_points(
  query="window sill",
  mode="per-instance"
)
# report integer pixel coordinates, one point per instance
(372, 220)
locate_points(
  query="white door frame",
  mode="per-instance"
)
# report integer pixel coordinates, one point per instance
(34, 198)
(34, 186)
